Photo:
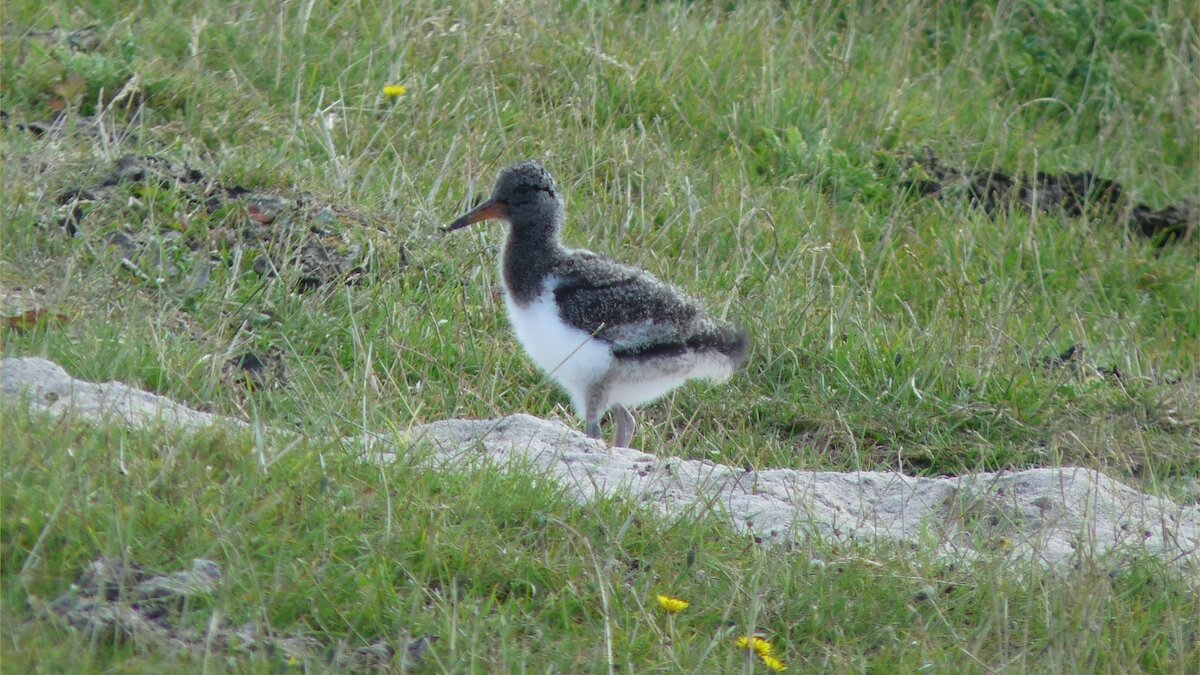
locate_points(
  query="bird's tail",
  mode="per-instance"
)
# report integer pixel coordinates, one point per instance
(735, 345)
(731, 341)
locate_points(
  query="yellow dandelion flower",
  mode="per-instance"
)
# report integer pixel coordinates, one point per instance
(772, 662)
(395, 91)
(671, 605)
(759, 645)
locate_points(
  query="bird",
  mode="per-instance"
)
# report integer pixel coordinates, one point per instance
(611, 335)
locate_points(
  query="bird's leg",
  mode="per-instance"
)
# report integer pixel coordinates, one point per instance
(625, 425)
(595, 404)
(592, 429)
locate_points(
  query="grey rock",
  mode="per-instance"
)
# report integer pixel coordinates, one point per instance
(51, 390)
(201, 579)
(98, 605)
(1053, 516)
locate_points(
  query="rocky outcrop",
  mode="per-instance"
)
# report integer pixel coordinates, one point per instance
(1054, 516)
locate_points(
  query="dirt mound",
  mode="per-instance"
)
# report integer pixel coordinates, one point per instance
(1073, 194)
(120, 601)
(202, 219)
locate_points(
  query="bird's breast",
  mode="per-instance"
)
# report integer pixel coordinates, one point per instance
(569, 355)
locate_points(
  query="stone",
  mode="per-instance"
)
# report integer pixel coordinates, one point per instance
(51, 390)
(1056, 517)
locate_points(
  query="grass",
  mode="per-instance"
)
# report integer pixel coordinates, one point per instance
(515, 576)
(751, 154)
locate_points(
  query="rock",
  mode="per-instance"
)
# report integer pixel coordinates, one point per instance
(51, 390)
(1053, 516)
(202, 579)
(121, 622)
(925, 594)
(115, 600)
(107, 578)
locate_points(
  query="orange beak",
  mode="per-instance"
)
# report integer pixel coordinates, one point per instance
(486, 211)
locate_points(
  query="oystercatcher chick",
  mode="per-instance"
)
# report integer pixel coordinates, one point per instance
(611, 335)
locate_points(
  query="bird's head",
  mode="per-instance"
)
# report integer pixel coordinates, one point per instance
(525, 195)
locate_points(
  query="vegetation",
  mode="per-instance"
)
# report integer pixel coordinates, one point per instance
(756, 154)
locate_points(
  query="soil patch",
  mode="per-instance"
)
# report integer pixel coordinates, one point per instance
(118, 600)
(1073, 194)
(194, 213)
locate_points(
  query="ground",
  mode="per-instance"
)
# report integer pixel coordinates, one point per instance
(221, 204)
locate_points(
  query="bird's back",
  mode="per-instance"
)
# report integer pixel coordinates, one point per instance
(635, 313)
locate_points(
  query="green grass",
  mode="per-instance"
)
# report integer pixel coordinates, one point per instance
(512, 575)
(751, 153)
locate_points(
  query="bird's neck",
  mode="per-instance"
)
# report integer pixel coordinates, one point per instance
(529, 254)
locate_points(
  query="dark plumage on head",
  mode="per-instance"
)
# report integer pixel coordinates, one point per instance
(529, 194)
(519, 181)
(525, 195)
